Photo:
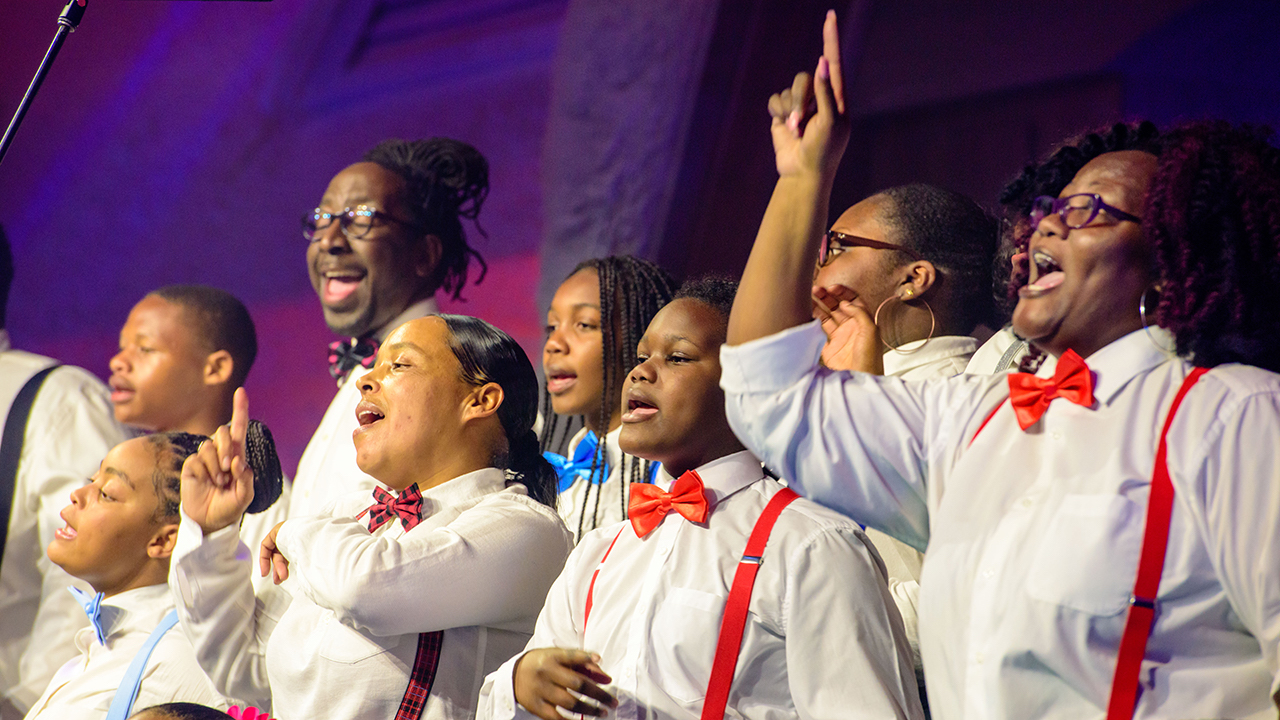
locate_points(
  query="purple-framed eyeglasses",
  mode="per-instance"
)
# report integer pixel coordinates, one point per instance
(1076, 211)
(834, 243)
(355, 222)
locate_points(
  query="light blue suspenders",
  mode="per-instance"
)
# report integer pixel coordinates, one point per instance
(122, 703)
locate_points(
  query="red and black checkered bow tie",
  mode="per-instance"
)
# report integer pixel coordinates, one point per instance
(345, 355)
(408, 507)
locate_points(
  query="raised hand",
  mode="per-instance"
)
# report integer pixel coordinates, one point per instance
(810, 125)
(543, 680)
(217, 483)
(853, 340)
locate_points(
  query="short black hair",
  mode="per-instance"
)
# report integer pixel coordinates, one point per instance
(446, 181)
(221, 321)
(714, 291)
(6, 274)
(185, 711)
(957, 235)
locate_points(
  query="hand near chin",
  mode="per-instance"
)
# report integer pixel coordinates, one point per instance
(270, 559)
(810, 126)
(548, 679)
(217, 483)
(853, 340)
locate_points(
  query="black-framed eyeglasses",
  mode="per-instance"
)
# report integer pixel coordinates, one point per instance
(1076, 211)
(355, 222)
(834, 243)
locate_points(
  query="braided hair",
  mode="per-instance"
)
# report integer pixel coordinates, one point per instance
(489, 355)
(1212, 216)
(1049, 177)
(447, 181)
(173, 449)
(632, 291)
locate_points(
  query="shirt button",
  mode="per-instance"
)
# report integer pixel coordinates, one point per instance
(1027, 502)
(978, 658)
(988, 574)
(1055, 435)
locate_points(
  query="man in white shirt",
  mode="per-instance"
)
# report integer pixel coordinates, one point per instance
(634, 621)
(69, 431)
(385, 237)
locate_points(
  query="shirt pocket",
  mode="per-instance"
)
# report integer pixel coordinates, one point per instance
(685, 631)
(341, 644)
(1088, 557)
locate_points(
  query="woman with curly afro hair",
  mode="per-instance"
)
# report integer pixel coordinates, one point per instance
(1152, 276)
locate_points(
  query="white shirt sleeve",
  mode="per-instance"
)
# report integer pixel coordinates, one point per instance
(799, 418)
(70, 430)
(210, 577)
(336, 563)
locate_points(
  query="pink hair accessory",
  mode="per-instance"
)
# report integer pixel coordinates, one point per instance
(248, 713)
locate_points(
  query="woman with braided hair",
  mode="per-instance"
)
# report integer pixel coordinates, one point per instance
(1103, 539)
(400, 607)
(120, 533)
(595, 320)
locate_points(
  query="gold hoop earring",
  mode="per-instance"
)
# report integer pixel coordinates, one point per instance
(1146, 328)
(933, 321)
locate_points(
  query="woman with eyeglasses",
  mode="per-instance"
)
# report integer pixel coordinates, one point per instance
(1104, 539)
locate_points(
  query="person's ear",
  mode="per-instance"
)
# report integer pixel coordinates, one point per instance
(482, 402)
(163, 541)
(218, 368)
(430, 250)
(919, 277)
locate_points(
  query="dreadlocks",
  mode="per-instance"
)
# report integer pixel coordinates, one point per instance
(632, 291)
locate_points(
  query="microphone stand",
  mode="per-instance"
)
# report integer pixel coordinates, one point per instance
(68, 21)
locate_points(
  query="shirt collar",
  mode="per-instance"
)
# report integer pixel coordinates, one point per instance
(479, 483)
(422, 308)
(1124, 359)
(137, 610)
(919, 353)
(612, 450)
(721, 477)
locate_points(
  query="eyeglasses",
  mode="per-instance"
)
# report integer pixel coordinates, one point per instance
(1076, 211)
(834, 243)
(354, 222)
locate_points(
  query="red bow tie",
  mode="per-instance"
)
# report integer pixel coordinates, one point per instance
(648, 505)
(408, 507)
(1030, 395)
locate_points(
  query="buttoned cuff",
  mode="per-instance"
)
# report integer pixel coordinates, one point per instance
(771, 363)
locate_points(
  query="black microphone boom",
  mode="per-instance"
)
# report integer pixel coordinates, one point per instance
(68, 21)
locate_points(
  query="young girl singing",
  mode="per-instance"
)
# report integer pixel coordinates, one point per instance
(596, 317)
(399, 602)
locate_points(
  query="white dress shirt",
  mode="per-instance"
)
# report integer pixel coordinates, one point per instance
(327, 470)
(70, 430)
(478, 567)
(822, 639)
(606, 500)
(944, 356)
(1033, 537)
(84, 688)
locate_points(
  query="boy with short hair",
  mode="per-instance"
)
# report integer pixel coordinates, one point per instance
(635, 620)
(183, 352)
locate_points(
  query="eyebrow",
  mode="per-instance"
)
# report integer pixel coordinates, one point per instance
(117, 474)
(403, 345)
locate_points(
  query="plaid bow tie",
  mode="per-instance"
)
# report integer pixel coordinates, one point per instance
(1030, 395)
(648, 504)
(345, 355)
(408, 507)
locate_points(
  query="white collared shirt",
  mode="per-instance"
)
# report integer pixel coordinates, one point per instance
(328, 470)
(1033, 537)
(70, 430)
(84, 688)
(822, 639)
(944, 356)
(605, 503)
(478, 567)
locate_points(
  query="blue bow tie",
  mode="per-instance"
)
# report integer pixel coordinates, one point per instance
(569, 469)
(92, 604)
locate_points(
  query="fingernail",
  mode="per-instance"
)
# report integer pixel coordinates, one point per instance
(793, 120)
(824, 68)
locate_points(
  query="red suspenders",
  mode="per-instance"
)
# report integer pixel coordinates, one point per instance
(735, 609)
(1155, 540)
(422, 677)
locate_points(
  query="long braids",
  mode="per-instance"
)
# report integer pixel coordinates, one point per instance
(632, 291)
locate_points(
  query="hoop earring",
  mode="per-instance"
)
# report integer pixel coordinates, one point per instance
(933, 322)
(1142, 315)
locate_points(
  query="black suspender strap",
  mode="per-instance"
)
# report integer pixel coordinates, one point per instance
(15, 429)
